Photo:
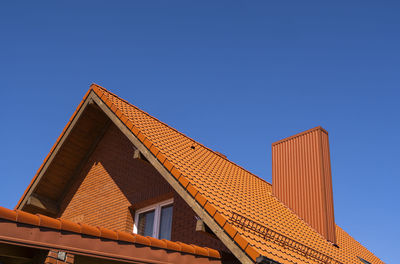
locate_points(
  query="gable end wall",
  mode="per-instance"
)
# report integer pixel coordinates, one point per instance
(112, 180)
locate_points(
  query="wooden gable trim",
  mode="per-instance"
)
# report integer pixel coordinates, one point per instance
(43, 203)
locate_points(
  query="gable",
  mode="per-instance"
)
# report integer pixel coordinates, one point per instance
(219, 191)
(109, 183)
(113, 184)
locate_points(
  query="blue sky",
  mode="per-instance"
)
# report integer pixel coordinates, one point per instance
(235, 76)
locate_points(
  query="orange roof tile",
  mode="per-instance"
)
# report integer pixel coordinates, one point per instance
(65, 225)
(225, 189)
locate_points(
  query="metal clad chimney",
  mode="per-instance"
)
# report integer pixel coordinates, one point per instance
(302, 180)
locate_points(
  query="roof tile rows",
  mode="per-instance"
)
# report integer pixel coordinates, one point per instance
(79, 228)
(224, 188)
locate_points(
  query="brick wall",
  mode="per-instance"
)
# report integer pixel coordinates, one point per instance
(59, 257)
(112, 180)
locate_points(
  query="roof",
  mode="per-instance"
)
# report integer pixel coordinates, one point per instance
(238, 201)
(83, 230)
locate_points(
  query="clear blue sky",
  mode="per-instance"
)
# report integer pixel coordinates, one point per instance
(235, 76)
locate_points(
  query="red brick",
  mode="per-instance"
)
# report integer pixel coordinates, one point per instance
(50, 261)
(52, 254)
(111, 181)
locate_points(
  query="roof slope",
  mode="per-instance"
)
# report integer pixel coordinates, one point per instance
(240, 202)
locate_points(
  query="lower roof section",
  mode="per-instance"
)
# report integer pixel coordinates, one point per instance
(27, 231)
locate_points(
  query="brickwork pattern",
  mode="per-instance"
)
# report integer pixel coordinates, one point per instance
(112, 180)
(53, 258)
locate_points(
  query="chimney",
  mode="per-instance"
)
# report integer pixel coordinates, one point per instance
(302, 180)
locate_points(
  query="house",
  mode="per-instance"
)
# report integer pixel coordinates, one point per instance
(120, 186)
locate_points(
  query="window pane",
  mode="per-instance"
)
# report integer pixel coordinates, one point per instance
(146, 223)
(166, 222)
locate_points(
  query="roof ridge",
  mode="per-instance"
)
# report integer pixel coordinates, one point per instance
(215, 152)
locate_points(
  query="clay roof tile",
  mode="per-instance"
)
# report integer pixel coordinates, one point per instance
(90, 230)
(125, 236)
(154, 242)
(49, 222)
(8, 214)
(70, 226)
(108, 233)
(27, 218)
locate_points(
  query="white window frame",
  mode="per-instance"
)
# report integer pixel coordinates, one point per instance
(157, 216)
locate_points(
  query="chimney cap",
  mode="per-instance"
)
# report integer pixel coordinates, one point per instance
(300, 134)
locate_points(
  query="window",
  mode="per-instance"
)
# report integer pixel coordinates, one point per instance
(155, 220)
